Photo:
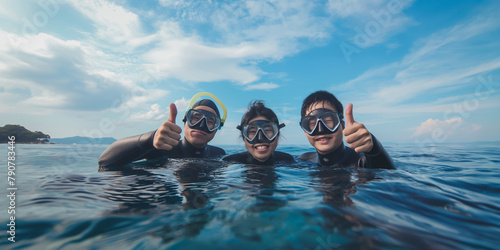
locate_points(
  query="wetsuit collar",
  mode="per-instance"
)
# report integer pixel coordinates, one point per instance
(190, 150)
(252, 160)
(333, 157)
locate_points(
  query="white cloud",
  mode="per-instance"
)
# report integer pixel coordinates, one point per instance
(43, 72)
(262, 86)
(447, 126)
(155, 113)
(187, 59)
(137, 96)
(447, 61)
(114, 23)
(54, 73)
(240, 34)
(181, 104)
(442, 130)
(346, 8)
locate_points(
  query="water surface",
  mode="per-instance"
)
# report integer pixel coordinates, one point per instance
(446, 196)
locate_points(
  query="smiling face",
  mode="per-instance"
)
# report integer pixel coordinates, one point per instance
(261, 151)
(325, 144)
(197, 137)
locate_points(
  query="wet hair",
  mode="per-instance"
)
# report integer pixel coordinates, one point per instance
(322, 96)
(257, 108)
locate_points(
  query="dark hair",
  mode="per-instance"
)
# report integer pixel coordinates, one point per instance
(257, 108)
(322, 96)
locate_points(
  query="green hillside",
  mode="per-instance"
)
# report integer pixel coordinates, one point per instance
(22, 134)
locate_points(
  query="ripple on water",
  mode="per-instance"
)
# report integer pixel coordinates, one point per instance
(441, 197)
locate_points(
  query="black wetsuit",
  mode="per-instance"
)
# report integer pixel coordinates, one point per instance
(345, 157)
(247, 158)
(127, 150)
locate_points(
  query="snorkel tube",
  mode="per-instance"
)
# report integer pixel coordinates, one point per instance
(198, 95)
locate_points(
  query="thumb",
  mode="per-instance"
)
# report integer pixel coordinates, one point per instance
(173, 113)
(349, 119)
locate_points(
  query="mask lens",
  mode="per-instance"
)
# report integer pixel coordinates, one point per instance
(268, 130)
(308, 123)
(211, 121)
(331, 120)
(195, 116)
(252, 131)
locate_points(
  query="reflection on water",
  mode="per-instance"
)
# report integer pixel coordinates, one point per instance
(433, 201)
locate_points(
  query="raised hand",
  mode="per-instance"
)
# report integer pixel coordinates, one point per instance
(168, 134)
(356, 134)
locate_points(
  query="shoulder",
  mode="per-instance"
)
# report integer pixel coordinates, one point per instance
(311, 156)
(235, 157)
(215, 151)
(281, 156)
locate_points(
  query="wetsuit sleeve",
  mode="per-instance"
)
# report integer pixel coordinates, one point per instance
(127, 150)
(378, 157)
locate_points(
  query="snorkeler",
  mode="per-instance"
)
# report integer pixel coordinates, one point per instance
(201, 121)
(260, 131)
(322, 122)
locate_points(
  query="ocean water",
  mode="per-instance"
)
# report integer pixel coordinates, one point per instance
(440, 197)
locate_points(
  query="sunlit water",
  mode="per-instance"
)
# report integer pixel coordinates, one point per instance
(442, 197)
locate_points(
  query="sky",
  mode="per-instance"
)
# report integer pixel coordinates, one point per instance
(415, 71)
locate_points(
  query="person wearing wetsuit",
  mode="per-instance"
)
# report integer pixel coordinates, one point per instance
(201, 122)
(260, 129)
(322, 122)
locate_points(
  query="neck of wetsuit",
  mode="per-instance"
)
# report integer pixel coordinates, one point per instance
(333, 157)
(252, 160)
(191, 150)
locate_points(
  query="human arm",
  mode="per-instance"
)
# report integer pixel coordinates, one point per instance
(148, 145)
(378, 157)
(362, 141)
(127, 150)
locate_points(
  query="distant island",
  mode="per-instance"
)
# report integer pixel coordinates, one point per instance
(24, 135)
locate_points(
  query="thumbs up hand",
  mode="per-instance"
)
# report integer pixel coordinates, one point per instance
(356, 134)
(168, 134)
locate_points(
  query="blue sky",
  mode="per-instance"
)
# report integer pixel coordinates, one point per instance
(416, 71)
